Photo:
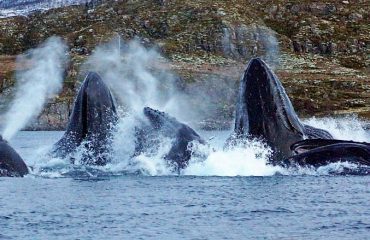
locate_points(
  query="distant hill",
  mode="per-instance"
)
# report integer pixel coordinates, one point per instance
(10, 8)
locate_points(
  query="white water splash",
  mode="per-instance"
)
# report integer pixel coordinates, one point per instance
(248, 160)
(41, 81)
(344, 128)
(152, 162)
(331, 168)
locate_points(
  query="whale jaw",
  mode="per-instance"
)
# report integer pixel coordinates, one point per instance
(320, 152)
(264, 110)
(93, 115)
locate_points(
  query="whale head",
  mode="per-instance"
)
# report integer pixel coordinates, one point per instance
(181, 135)
(94, 113)
(94, 106)
(161, 120)
(11, 163)
(264, 110)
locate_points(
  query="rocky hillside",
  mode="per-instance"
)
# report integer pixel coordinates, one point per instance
(320, 50)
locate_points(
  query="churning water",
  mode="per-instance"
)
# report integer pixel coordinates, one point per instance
(233, 194)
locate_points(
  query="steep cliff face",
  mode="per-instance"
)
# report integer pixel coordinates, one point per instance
(321, 50)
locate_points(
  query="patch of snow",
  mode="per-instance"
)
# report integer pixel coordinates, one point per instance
(10, 8)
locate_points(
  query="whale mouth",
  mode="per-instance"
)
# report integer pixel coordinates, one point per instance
(265, 101)
(88, 91)
(155, 117)
(320, 152)
(92, 119)
(150, 112)
(310, 144)
(159, 119)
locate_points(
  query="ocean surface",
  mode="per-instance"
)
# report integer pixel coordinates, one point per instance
(57, 202)
(186, 207)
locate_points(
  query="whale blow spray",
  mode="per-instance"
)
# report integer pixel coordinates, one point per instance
(127, 67)
(141, 76)
(41, 81)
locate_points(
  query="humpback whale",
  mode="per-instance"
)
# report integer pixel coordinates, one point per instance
(94, 116)
(264, 111)
(160, 124)
(91, 122)
(11, 164)
(319, 152)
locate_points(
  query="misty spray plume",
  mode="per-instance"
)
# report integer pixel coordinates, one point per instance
(140, 77)
(137, 76)
(42, 80)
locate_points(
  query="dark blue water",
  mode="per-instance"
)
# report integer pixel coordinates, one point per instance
(139, 207)
(97, 206)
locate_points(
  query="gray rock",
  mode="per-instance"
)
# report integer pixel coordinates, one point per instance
(355, 17)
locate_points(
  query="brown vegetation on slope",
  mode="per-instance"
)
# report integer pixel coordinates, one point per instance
(324, 46)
